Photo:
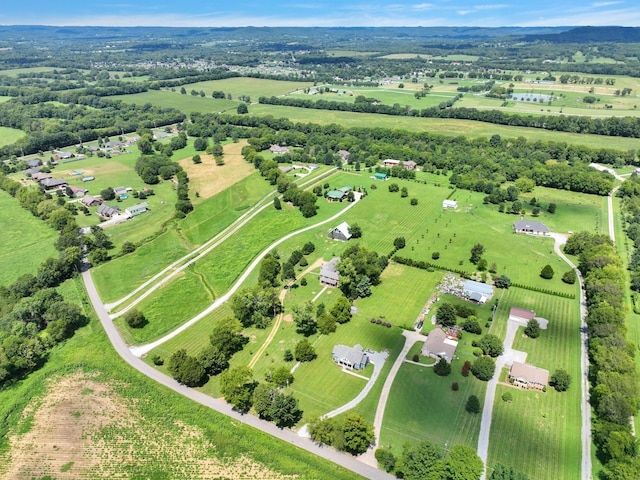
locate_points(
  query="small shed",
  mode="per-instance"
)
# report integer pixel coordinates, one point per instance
(329, 274)
(380, 176)
(341, 232)
(352, 358)
(447, 204)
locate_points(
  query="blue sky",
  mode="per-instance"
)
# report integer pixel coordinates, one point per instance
(216, 13)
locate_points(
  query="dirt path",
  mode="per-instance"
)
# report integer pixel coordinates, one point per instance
(278, 320)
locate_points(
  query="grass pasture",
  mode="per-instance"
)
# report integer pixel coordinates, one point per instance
(537, 433)
(26, 240)
(186, 103)
(253, 87)
(10, 135)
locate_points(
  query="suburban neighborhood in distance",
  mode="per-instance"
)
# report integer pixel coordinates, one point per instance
(320, 252)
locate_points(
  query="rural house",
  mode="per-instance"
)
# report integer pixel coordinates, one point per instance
(352, 358)
(344, 155)
(90, 201)
(521, 315)
(53, 183)
(77, 192)
(438, 345)
(137, 209)
(106, 211)
(530, 227)
(338, 195)
(329, 272)
(64, 155)
(36, 162)
(446, 204)
(409, 165)
(37, 176)
(390, 162)
(341, 232)
(278, 150)
(477, 292)
(528, 376)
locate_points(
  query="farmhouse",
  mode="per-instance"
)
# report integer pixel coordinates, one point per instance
(53, 183)
(90, 201)
(105, 210)
(520, 314)
(449, 204)
(380, 176)
(278, 150)
(438, 345)
(477, 292)
(120, 190)
(338, 195)
(36, 162)
(285, 168)
(530, 227)
(353, 358)
(64, 155)
(344, 155)
(341, 232)
(390, 162)
(528, 376)
(409, 165)
(136, 209)
(37, 176)
(329, 273)
(77, 192)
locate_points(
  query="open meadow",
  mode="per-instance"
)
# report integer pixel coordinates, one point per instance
(186, 103)
(10, 135)
(26, 240)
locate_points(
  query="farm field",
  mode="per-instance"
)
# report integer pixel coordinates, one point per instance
(445, 127)
(186, 103)
(107, 410)
(26, 240)
(9, 135)
(536, 432)
(253, 87)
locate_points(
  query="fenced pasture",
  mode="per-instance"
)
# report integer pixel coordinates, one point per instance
(26, 240)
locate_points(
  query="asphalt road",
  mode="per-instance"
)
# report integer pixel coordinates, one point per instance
(344, 460)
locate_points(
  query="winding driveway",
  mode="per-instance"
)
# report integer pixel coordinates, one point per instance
(141, 350)
(344, 460)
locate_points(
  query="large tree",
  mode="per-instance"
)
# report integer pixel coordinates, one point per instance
(491, 345)
(303, 316)
(421, 461)
(358, 434)
(446, 314)
(462, 463)
(476, 253)
(483, 368)
(236, 386)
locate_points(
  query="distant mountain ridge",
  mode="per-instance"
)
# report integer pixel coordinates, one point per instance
(590, 35)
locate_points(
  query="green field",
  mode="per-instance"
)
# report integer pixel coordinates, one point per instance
(26, 240)
(157, 419)
(186, 103)
(538, 433)
(468, 128)
(253, 87)
(10, 135)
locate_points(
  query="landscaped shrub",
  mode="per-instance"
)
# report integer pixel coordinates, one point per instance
(303, 281)
(416, 357)
(483, 368)
(547, 272)
(386, 459)
(532, 330)
(560, 380)
(455, 386)
(473, 404)
(157, 360)
(135, 319)
(507, 397)
(435, 255)
(569, 277)
(288, 356)
(442, 368)
(466, 368)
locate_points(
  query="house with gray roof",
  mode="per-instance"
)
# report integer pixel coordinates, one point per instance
(278, 150)
(438, 346)
(36, 162)
(329, 274)
(477, 291)
(530, 227)
(352, 358)
(341, 232)
(107, 211)
(53, 183)
(90, 201)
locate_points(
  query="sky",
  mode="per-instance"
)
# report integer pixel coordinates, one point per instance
(324, 13)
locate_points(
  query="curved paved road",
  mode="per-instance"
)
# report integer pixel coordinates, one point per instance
(288, 436)
(143, 349)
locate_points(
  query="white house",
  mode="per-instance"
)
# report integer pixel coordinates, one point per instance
(449, 204)
(137, 209)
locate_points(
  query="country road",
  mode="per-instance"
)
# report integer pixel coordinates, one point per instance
(344, 460)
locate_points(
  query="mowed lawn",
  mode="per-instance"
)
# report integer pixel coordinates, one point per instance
(253, 87)
(539, 432)
(186, 103)
(26, 240)
(10, 135)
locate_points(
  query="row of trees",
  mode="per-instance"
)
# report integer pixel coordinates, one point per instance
(611, 126)
(615, 394)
